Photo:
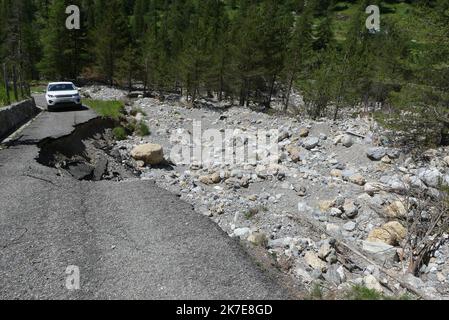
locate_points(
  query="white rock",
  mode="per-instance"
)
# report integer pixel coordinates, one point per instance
(372, 283)
(347, 141)
(350, 226)
(314, 261)
(242, 232)
(431, 177)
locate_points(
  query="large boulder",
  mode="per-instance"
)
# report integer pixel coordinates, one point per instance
(151, 154)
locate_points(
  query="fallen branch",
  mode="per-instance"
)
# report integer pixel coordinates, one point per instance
(355, 134)
(340, 241)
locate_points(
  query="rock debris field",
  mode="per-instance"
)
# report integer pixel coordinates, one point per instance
(332, 208)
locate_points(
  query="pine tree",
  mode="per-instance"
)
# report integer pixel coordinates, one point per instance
(110, 38)
(299, 50)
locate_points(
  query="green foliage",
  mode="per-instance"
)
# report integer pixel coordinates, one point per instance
(137, 110)
(363, 293)
(119, 133)
(359, 292)
(142, 129)
(109, 109)
(3, 98)
(249, 51)
(316, 293)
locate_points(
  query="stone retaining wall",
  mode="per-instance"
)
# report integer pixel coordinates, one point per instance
(16, 115)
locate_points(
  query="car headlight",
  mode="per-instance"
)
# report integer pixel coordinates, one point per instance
(50, 96)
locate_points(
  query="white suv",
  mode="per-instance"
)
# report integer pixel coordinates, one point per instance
(62, 93)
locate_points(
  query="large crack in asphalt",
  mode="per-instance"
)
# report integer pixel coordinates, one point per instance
(86, 153)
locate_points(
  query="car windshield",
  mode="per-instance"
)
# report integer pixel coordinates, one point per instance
(61, 87)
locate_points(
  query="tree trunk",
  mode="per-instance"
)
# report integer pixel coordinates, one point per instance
(14, 80)
(5, 75)
(289, 90)
(273, 81)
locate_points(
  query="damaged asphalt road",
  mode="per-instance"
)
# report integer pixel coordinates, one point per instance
(130, 239)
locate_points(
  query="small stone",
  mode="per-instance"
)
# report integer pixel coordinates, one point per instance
(325, 251)
(350, 208)
(373, 188)
(335, 212)
(332, 228)
(336, 173)
(446, 160)
(390, 233)
(376, 154)
(397, 229)
(252, 197)
(325, 205)
(386, 159)
(205, 180)
(431, 177)
(381, 251)
(335, 275)
(294, 152)
(441, 277)
(304, 132)
(396, 210)
(241, 232)
(357, 179)
(301, 191)
(311, 143)
(215, 178)
(258, 239)
(314, 261)
(372, 283)
(350, 226)
(140, 164)
(347, 141)
(304, 275)
(303, 208)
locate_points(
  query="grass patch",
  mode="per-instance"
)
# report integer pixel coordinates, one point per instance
(136, 110)
(359, 292)
(142, 129)
(251, 213)
(107, 109)
(38, 89)
(4, 99)
(119, 133)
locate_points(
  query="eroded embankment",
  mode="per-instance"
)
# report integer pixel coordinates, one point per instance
(86, 153)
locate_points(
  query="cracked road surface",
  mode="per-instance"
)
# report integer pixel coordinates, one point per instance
(130, 239)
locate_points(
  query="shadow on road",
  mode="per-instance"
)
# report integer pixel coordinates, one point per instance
(68, 108)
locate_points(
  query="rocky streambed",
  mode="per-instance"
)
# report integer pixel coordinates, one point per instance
(334, 206)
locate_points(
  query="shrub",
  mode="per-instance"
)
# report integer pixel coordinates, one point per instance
(142, 129)
(119, 133)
